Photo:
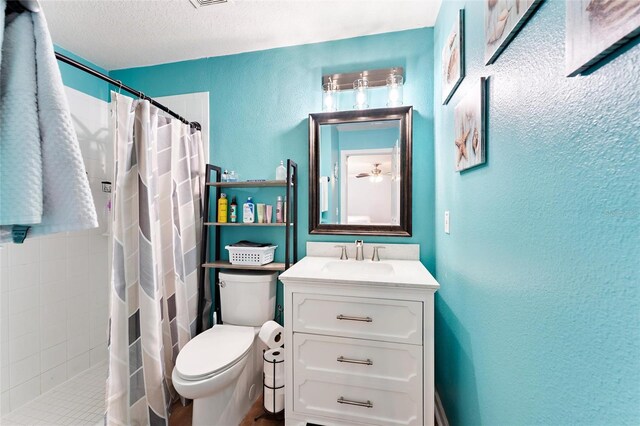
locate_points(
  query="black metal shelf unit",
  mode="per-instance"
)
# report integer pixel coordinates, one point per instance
(290, 226)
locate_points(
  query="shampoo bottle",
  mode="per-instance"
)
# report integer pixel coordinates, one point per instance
(279, 210)
(281, 172)
(223, 205)
(233, 211)
(248, 211)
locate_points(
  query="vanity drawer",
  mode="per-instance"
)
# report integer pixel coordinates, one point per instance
(390, 366)
(359, 317)
(356, 403)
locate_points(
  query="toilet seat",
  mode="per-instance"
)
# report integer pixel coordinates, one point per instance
(214, 351)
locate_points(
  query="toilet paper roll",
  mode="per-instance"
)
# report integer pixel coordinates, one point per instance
(271, 396)
(272, 334)
(273, 368)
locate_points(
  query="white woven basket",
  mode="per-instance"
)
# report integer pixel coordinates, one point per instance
(251, 255)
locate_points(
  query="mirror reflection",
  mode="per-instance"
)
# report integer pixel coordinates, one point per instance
(359, 173)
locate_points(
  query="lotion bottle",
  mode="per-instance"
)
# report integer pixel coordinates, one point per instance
(248, 211)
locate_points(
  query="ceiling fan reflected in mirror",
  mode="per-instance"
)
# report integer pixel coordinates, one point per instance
(375, 175)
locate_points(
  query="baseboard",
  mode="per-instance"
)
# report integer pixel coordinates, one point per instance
(441, 416)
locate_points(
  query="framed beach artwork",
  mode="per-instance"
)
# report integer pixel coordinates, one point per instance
(453, 59)
(469, 120)
(502, 21)
(596, 28)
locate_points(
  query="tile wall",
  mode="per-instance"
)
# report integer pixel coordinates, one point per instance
(53, 289)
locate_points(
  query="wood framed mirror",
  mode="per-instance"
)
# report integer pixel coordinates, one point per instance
(360, 172)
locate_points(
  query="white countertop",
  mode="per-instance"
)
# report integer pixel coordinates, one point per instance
(388, 272)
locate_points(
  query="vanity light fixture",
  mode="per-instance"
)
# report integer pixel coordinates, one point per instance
(329, 96)
(361, 93)
(394, 90)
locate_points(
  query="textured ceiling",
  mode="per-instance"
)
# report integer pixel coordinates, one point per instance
(120, 34)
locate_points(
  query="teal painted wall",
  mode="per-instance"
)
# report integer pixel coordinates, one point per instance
(260, 101)
(538, 316)
(80, 80)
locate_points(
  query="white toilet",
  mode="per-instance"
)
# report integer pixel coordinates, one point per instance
(221, 368)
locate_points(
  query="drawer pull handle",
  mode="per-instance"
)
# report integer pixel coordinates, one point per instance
(348, 318)
(355, 361)
(367, 404)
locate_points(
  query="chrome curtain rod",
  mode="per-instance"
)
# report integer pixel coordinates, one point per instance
(119, 84)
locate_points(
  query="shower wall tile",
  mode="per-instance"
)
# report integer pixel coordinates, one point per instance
(53, 356)
(54, 288)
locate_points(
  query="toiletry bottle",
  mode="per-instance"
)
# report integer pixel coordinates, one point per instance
(248, 211)
(281, 172)
(284, 210)
(279, 210)
(233, 211)
(223, 205)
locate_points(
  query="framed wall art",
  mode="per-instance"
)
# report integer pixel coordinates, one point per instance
(469, 119)
(502, 21)
(595, 28)
(453, 59)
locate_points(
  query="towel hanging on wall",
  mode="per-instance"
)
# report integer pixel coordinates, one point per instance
(54, 194)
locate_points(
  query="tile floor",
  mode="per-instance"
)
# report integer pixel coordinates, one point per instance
(78, 401)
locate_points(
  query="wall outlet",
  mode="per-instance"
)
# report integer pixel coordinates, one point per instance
(446, 222)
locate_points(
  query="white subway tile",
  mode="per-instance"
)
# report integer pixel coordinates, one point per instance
(53, 335)
(24, 370)
(99, 354)
(78, 325)
(53, 293)
(5, 403)
(25, 392)
(25, 253)
(77, 345)
(98, 336)
(78, 364)
(4, 378)
(77, 244)
(23, 299)
(78, 266)
(53, 377)
(52, 271)
(23, 276)
(23, 323)
(53, 356)
(24, 346)
(53, 248)
(53, 314)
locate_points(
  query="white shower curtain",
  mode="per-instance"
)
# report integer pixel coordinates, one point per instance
(156, 249)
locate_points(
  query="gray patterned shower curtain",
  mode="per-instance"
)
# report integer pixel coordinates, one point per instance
(157, 227)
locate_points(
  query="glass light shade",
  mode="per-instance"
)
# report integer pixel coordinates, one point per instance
(329, 96)
(394, 90)
(361, 93)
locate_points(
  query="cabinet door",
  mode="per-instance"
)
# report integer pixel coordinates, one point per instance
(358, 317)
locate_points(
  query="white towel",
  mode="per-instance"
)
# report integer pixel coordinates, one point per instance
(20, 158)
(67, 204)
(324, 193)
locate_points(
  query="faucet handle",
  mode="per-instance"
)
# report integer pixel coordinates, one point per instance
(376, 256)
(343, 255)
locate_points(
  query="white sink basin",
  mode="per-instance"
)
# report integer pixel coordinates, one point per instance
(353, 268)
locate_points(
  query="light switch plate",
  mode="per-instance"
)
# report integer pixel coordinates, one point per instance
(446, 222)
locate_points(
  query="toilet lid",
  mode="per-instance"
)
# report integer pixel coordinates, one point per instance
(213, 350)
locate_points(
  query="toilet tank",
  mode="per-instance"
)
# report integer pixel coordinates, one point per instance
(247, 297)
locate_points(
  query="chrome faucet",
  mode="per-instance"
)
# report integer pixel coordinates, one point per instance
(343, 255)
(376, 256)
(359, 250)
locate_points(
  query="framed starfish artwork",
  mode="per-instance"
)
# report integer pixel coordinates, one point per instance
(469, 119)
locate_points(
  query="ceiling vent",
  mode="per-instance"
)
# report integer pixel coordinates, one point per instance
(201, 3)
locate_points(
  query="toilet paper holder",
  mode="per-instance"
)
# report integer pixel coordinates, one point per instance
(271, 413)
